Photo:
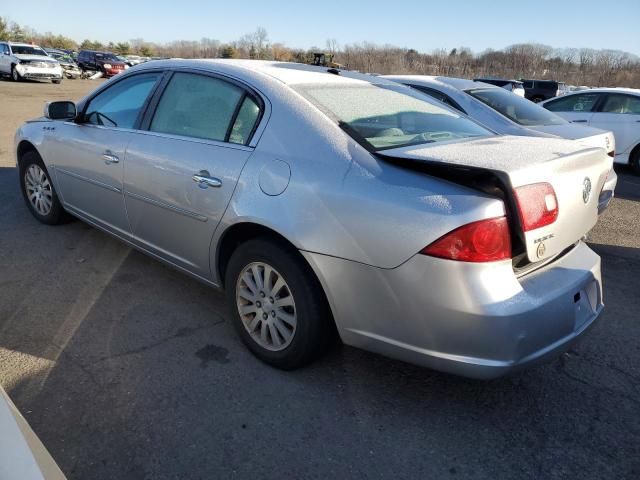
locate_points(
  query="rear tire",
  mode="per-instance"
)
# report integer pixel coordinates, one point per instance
(57, 82)
(38, 191)
(277, 304)
(634, 161)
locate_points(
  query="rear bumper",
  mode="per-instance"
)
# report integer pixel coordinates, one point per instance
(474, 320)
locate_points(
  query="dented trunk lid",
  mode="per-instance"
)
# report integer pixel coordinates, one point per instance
(576, 172)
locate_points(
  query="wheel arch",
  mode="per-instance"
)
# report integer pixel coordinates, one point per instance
(24, 147)
(242, 232)
(635, 150)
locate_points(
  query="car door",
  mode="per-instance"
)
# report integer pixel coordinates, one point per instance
(577, 108)
(4, 59)
(180, 173)
(619, 113)
(88, 154)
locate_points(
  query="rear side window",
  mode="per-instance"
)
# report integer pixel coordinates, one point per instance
(120, 105)
(527, 84)
(624, 104)
(205, 107)
(245, 121)
(583, 102)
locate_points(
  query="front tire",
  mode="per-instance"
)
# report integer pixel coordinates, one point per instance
(38, 191)
(277, 304)
(57, 81)
(15, 76)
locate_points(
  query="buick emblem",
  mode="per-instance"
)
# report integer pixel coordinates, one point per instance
(586, 190)
(541, 250)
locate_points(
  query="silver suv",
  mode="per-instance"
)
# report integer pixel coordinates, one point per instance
(24, 61)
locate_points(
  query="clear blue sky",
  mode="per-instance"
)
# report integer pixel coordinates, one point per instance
(418, 24)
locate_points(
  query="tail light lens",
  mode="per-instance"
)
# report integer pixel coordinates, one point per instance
(537, 205)
(484, 241)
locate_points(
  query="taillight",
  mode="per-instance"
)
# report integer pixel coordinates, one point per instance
(484, 241)
(537, 205)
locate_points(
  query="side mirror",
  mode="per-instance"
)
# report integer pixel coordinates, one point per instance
(60, 110)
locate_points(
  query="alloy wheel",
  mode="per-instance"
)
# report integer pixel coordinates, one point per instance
(38, 189)
(266, 306)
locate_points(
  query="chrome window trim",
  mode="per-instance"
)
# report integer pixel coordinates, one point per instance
(185, 138)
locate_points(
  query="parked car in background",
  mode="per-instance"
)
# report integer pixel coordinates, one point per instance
(23, 61)
(105, 62)
(135, 59)
(510, 114)
(22, 454)
(514, 86)
(615, 109)
(125, 60)
(406, 226)
(540, 90)
(68, 64)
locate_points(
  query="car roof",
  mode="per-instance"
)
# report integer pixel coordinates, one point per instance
(286, 72)
(480, 79)
(23, 44)
(633, 91)
(451, 82)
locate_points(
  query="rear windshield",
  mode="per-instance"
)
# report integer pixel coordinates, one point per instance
(382, 117)
(27, 50)
(516, 108)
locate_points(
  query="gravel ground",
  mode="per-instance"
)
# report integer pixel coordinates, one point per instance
(128, 369)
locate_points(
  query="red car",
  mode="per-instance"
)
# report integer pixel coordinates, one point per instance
(104, 62)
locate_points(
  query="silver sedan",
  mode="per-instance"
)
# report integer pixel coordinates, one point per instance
(324, 201)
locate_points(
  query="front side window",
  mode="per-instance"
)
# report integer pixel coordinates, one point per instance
(27, 50)
(382, 117)
(515, 108)
(120, 105)
(583, 102)
(624, 104)
(205, 107)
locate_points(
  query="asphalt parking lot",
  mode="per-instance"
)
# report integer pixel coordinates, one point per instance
(126, 368)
